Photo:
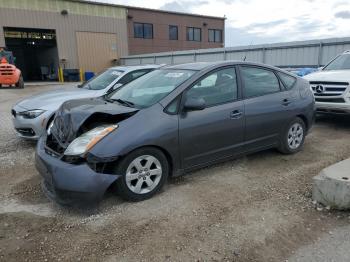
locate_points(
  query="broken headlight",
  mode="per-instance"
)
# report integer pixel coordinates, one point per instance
(86, 141)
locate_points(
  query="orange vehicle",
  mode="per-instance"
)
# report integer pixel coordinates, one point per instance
(10, 75)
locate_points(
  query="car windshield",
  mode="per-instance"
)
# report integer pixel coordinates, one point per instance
(150, 88)
(102, 80)
(341, 62)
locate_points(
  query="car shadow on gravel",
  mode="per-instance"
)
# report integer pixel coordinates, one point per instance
(335, 121)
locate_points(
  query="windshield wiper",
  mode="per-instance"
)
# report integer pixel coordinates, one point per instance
(121, 101)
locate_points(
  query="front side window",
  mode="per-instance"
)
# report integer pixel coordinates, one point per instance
(194, 34)
(173, 32)
(215, 35)
(143, 30)
(258, 81)
(103, 80)
(341, 62)
(151, 88)
(217, 88)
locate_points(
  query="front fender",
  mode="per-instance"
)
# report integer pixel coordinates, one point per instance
(149, 127)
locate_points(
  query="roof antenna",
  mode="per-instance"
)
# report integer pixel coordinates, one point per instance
(245, 54)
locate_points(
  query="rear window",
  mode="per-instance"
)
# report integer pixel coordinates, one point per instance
(287, 80)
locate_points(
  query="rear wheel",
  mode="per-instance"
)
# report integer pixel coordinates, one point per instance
(20, 83)
(293, 137)
(144, 172)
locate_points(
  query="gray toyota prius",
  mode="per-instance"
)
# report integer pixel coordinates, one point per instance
(168, 122)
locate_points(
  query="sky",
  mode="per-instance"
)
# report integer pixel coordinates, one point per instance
(250, 22)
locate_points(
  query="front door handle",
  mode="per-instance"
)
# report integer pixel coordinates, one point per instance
(235, 114)
(286, 102)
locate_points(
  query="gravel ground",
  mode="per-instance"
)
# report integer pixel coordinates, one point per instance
(255, 208)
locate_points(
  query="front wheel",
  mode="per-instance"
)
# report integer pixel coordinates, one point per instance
(293, 137)
(144, 172)
(20, 83)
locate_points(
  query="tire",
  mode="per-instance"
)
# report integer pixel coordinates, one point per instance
(137, 182)
(20, 83)
(293, 137)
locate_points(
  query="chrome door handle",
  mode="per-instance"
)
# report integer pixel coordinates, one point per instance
(286, 102)
(235, 114)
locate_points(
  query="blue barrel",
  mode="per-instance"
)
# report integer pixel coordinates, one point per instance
(88, 75)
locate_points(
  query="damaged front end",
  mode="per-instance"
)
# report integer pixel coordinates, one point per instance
(63, 156)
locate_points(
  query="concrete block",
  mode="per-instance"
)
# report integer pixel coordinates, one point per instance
(332, 186)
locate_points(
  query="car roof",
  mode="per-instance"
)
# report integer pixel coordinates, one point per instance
(206, 65)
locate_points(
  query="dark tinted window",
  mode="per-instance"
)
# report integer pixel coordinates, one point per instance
(194, 34)
(217, 88)
(142, 30)
(148, 30)
(258, 81)
(173, 32)
(287, 80)
(133, 75)
(138, 30)
(215, 35)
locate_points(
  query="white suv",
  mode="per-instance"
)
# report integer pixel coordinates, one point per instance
(331, 86)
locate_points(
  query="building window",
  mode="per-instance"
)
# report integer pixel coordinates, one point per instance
(194, 34)
(215, 35)
(173, 32)
(143, 30)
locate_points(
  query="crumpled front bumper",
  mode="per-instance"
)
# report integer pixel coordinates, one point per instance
(69, 183)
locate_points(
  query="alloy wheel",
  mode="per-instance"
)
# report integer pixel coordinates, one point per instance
(143, 174)
(295, 136)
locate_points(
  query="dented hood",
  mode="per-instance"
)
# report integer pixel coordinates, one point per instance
(73, 115)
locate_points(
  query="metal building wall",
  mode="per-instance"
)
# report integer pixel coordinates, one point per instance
(313, 53)
(83, 17)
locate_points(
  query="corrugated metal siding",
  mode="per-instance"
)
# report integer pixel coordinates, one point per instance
(96, 51)
(147, 60)
(209, 57)
(72, 7)
(163, 60)
(311, 53)
(329, 51)
(66, 27)
(183, 59)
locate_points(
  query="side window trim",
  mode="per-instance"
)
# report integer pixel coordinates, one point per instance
(239, 94)
(178, 100)
(281, 88)
(285, 88)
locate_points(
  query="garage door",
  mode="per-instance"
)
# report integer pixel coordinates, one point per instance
(96, 51)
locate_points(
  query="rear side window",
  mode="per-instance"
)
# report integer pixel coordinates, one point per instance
(287, 80)
(258, 81)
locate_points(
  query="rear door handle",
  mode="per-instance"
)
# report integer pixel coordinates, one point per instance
(286, 102)
(235, 114)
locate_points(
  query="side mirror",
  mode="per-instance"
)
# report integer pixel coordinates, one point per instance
(194, 104)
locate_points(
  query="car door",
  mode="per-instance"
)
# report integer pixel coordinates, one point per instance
(216, 131)
(266, 107)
